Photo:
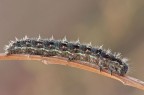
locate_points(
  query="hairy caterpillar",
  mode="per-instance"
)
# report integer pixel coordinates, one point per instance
(103, 59)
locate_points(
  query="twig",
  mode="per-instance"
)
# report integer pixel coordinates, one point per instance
(126, 80)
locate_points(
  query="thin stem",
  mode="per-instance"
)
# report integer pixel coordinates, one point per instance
(126, 80)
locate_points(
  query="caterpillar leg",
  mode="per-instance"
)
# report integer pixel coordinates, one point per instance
(72, 57)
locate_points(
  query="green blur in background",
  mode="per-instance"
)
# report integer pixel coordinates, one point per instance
(116, 24)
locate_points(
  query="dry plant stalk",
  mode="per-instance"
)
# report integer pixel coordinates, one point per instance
(126, 80)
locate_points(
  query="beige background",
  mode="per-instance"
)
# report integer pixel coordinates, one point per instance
(118, 24)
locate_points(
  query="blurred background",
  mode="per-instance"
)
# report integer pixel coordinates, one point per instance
(116, 24)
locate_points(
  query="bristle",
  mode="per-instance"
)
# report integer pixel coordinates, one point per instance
(124, 60)
(26, 37)
(64, 39)
(16, 38)
(89, 44)
(100, 47)
(6, 47)
(77, 41)
(108, 51)
(52, 38)
(118, 55)
(39, 37)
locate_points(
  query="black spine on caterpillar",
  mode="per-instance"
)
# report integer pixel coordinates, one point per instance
(97, 56)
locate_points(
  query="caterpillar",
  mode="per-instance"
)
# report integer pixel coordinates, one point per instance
(73, 51)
